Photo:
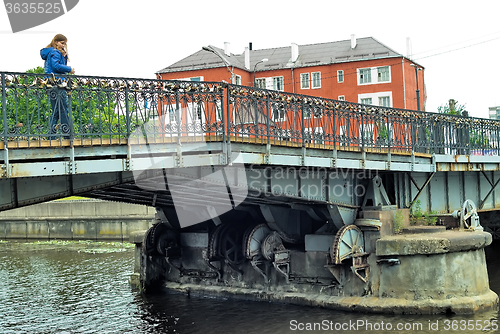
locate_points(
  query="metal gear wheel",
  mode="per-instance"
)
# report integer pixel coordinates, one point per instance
(348, 241)
(254, 236)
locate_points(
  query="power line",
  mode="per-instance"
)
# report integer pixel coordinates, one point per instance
(464, 47)
(447, 46)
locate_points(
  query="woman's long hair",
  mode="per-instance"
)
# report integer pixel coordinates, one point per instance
(59, 38)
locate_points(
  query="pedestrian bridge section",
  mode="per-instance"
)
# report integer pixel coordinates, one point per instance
(130, 138)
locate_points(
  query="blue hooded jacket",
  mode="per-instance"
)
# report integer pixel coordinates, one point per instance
(55, 62)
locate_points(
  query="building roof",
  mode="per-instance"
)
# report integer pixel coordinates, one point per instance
(309, 55)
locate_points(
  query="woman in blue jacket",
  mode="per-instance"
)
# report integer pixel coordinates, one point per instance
(56, 60)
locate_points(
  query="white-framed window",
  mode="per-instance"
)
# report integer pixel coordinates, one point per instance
(341, 98)
(200, 78)
(237, 79)
(343, 134)
(283, 134)
(365, 75)
(367, 135)
(304, 81)
(366, 100)
(382, 99)
(278, 83)
(374, 75)
(198, 111)
(316, 79)
(383, 74)
(218, 110)
(306, 111)
(169, 109)
(278, 113)
(260, 83)
(314, 135)
(340, 76)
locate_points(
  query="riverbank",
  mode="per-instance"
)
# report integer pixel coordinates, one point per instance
(82, 219)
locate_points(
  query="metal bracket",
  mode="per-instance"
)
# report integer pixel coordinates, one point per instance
(129, 157)
(178, 156)
(391, 262)
(360, 266)
(282, 259)
(6, 166)
(256, 261)
(72, 162)
(268, 154)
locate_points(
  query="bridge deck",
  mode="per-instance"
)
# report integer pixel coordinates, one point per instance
(203, 124)
(57, 143)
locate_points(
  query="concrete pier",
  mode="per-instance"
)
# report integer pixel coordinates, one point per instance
(423, 270)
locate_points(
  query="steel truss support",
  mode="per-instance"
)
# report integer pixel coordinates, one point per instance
(18, 192)
(420, 189)
(493, 186)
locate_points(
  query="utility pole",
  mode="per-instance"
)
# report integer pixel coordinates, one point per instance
(418, 90)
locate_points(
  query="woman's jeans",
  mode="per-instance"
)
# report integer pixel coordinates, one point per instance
(59, 103)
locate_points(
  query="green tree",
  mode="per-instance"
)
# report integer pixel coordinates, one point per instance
(453, 108)
(93, 107)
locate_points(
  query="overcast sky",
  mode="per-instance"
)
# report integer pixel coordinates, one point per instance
(458, 43)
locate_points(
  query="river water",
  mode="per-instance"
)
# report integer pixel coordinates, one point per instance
(83, 288)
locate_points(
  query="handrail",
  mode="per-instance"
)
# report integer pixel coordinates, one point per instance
(107, 108)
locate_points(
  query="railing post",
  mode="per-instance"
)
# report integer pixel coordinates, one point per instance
(303, 124)
(268, 120)
(226, 137)
(178, 116)
(127, 110)
(4, 110)
(362, 132)
(70, 115)
(225, 125)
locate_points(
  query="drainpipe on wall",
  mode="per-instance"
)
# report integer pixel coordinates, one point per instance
(295, 57)
(404, 83)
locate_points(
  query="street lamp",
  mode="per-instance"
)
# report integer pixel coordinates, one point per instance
(224, 60)
(255, 67)
(418, 91)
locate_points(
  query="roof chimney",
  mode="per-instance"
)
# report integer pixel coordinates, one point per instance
(250, 46)
(247, 57)
(295, 52)
(226, 48)
(353, 41)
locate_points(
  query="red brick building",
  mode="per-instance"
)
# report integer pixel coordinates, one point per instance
(357, 70)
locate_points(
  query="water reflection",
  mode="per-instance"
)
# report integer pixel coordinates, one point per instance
(65, 290)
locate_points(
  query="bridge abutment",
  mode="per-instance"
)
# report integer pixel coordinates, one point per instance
(422, 270)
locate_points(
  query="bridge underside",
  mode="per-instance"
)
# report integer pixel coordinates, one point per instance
(269, 174)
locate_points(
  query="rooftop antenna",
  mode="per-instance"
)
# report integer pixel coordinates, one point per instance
(408, 48)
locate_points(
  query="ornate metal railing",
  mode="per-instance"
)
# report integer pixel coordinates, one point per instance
(116, 110)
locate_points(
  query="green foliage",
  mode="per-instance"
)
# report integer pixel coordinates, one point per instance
(477, 139)
(429, 220)
(453, 108)
(398, 221)
(93, 109)
(416, 210)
